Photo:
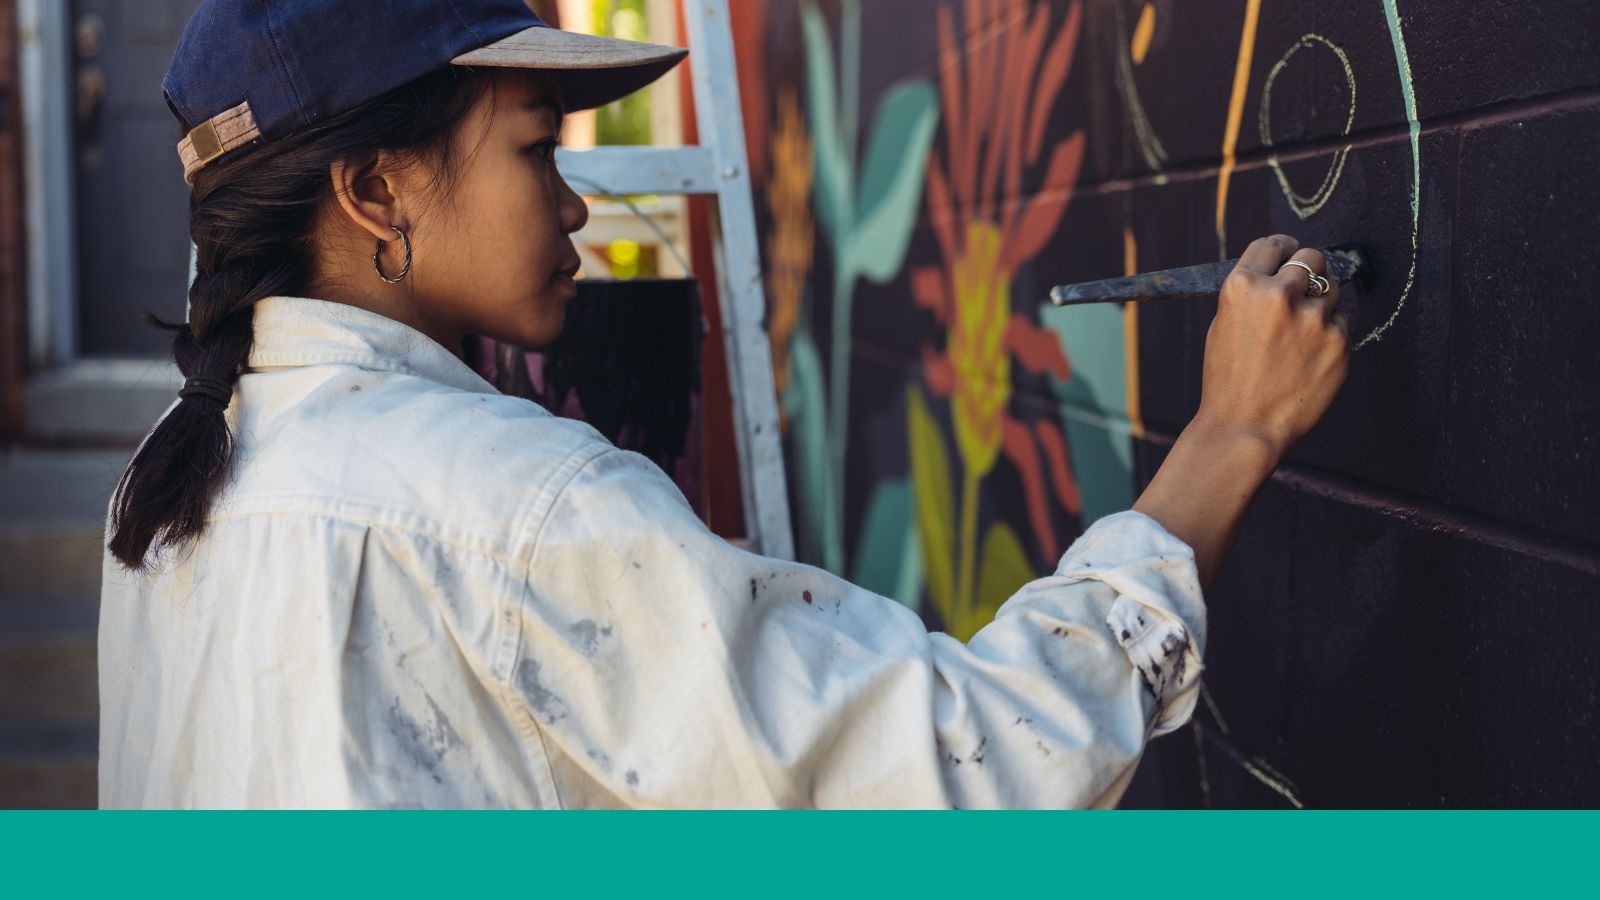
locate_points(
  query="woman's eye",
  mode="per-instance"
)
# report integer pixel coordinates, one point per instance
(545, 150)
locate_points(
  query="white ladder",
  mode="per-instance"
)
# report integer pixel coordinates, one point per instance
(717, 168)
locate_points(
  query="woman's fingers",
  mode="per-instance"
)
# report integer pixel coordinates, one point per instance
(1303, 276)
(1297, 270)
(1265, 255)
(1340, 322)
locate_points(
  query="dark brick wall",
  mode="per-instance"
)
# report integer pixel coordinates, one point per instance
(1406, 618)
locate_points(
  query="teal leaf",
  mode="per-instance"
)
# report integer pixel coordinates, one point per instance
(808, 431)
(1094, 404)
(909, 590)
(833, 172)
(891, 183)
(880, 560)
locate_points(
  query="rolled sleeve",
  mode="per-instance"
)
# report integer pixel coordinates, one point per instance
(1158, 616)
(665, 667)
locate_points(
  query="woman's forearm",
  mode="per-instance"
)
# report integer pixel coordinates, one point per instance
(1276, 352)
(1202, 489)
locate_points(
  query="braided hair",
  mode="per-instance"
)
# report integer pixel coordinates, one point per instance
(252, 218)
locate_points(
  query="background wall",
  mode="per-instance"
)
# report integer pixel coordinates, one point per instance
(1408, 618)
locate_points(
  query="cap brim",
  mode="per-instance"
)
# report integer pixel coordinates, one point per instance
(590, 70)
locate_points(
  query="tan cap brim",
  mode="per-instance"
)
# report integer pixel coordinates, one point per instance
(591, 71)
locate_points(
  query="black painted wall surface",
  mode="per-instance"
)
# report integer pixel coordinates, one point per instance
(1409, 616)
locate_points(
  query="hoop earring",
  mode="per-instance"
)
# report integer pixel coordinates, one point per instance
(379, 252)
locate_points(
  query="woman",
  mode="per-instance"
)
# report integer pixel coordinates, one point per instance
(344, 571)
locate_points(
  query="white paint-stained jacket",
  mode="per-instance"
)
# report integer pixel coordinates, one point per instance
(416, 591)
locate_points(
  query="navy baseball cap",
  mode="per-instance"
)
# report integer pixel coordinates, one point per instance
(251, 71)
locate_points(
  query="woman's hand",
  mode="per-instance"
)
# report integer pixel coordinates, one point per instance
(1274, 360)
(1274, 356)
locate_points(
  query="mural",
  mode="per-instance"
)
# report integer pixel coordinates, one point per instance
(866, 206)
(1374, 637)
(994, 118)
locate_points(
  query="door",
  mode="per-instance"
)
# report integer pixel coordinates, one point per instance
(132, 203)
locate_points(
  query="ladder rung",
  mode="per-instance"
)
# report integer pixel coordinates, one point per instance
(640, 170)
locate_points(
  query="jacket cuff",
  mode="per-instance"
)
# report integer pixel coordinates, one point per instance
(1158, 617)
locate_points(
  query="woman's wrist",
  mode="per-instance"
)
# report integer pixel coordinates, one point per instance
(1202, 489)
(1223, 432)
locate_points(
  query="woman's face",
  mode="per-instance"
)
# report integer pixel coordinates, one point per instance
(494, 256)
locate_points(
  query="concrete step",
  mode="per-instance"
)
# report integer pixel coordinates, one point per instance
(38, 740)
(48, 564)
(48, 678)
(52, 514)
(104, 401)
(65, 783)
(49, 711)
(52, 508)
(22, 616)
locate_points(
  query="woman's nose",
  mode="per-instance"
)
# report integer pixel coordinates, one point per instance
(574, 212)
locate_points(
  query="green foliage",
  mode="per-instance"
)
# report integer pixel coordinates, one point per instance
(1002, 569)
(831, 194)
(627, 121)
(885, 562)
(892, 179)
(935, 506)
(808, 428)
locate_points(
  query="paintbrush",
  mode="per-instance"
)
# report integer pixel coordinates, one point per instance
(1346, 263)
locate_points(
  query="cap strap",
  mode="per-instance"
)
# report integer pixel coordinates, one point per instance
(216, 136)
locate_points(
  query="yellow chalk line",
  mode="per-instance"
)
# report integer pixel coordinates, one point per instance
(1143, 31)
(1230, 135)
(1306, 207)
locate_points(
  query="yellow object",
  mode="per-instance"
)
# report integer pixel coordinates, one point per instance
(623, 255)
(1142, 32)
(1230, 135)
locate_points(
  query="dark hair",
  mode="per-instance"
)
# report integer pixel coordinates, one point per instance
(252, 216)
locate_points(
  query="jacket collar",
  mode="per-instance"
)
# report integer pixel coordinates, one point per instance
(303, 331)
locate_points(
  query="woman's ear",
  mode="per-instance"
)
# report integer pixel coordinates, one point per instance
(368, 191)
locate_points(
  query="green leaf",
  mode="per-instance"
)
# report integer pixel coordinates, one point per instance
(808, 432)
(880, 560)
(935, 507)
(890, 188)
(833, 173)
(1003, 568)
(909, 589)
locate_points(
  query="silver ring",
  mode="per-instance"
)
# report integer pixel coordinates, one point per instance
(1319, 286)
(1295, 262)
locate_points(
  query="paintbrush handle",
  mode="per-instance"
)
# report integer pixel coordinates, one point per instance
(1187, 283)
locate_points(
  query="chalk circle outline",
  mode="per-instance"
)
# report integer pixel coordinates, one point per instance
(1306, 207)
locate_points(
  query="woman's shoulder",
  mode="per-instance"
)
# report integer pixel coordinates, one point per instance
(414, 447)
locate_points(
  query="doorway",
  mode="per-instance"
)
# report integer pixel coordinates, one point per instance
(130, 200)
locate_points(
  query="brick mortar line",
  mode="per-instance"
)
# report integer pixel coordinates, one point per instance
(1208, 167)
(1489, 114)
(1433, 515)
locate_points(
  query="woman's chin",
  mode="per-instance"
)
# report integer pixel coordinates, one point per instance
(543, 333)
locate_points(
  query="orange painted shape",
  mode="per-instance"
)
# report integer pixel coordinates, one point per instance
(1054, 445)
(1142, 32)
(1230, 135)
(1022, 452)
